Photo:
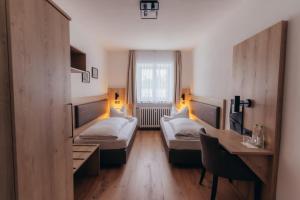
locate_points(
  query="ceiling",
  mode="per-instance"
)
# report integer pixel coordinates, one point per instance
(116, 24)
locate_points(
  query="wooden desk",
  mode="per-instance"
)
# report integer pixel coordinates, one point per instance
(231, 141)
(86, 156)
(258, 160)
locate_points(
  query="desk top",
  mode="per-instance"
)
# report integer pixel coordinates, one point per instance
(231, 141)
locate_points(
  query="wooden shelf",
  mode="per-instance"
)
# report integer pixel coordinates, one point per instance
(78, 59)
(74, 70)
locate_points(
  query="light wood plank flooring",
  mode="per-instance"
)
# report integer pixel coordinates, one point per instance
(148, 176)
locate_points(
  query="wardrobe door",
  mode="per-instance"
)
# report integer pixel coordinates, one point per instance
(40, 49)
(6, 148)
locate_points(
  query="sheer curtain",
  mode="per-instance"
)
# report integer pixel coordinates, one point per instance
(155, 76)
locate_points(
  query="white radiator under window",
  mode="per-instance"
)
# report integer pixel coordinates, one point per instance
(149, 115)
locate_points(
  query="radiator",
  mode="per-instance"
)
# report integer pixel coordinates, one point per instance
(149, 116)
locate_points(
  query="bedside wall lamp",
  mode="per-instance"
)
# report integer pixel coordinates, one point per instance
(183, 98)
(116, 98)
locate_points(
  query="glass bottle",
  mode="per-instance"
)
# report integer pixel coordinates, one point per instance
(260, 137)
(254, 135)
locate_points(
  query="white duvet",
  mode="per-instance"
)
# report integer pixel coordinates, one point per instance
(185, 128)
(106, 129)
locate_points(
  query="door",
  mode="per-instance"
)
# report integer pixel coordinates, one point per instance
(40, 55)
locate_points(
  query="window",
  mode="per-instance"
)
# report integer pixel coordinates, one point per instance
(155, 76)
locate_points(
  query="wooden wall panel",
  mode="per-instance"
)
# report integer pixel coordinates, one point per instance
(40, 57)
(258, 71)
(83, 100)
(215, 102)
(121, 100)
(6, 145)
(257, 74)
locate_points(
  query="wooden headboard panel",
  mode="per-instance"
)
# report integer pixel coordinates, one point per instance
(206, 112)
(210, 110)
(87, 112)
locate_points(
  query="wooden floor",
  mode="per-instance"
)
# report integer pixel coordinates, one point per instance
(148, 176)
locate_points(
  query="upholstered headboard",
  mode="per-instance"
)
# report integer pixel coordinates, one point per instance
(206, 112)
(87, 112)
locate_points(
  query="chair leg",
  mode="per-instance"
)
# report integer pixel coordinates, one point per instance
(214, 188)
(257, 190)
(203, 171)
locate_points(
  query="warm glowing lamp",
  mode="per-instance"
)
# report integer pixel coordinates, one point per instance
(116, 98)
(183, 98)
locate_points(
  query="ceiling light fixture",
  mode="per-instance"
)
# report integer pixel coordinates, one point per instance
(149, 9)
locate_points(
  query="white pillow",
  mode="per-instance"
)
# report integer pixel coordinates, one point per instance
(183, 113)
(105, 129)
(173, 111)
(115, 113)
(184, 127)
(124, 110)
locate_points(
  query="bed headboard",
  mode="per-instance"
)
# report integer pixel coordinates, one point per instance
(87, 112)
(209, 110)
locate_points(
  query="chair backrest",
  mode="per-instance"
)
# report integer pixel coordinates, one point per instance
(211, 158)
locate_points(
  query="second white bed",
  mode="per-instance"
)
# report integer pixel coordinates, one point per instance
(176, 143)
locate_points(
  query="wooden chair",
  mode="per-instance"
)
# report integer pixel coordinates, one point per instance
(223, 164)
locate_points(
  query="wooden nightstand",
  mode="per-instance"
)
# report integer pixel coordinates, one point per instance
(86, 156)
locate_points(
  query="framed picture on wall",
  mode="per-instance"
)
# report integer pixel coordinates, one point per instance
(94, 72)
(86, 77)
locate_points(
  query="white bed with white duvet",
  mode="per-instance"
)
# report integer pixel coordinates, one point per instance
(181, 135)
(111, 133)
(179, 142)
(115, 136)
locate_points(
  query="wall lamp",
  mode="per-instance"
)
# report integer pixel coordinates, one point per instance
(183, 98)
(238, 103)
(116, 98)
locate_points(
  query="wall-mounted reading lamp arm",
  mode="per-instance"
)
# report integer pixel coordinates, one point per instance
(244, 103)
(247, 103)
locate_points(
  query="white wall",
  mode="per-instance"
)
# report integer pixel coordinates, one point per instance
(187, 68)
(95, 57)
(117, 62)
(212, 73)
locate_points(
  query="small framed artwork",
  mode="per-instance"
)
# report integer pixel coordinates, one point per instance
(86, 77)
(94, 72)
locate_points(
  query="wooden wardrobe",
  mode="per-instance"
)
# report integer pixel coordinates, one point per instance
(35, 118)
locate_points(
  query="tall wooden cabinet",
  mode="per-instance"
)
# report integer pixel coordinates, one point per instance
(6, 145)
(36, 152)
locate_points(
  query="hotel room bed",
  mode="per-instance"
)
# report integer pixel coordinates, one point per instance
(174, 143)
(113, 151)
(121, 142)
(187, 152)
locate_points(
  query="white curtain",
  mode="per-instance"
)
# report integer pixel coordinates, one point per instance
(155, 76)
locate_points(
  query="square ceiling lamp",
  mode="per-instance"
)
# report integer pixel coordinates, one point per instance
(149, 9)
